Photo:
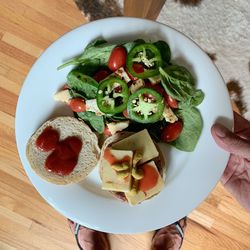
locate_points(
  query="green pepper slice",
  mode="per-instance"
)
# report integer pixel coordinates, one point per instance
(112, 95)
(149, 56)
(145, 106)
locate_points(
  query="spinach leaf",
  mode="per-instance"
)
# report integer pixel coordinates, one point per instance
(177, 82)
(74, 94)
(82, 84)
(129, 45)
(87, 69)
(195, 100)
(164, 51)
(96, 122)
(97, 53)
(192, 126)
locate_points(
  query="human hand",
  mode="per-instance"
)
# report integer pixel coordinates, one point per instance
(236, 177)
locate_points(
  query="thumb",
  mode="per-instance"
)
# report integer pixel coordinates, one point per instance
(230, 141)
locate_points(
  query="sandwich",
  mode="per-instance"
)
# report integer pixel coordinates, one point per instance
(63, 150)
(132, 167)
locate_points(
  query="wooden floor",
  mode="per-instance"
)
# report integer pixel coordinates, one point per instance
(27, 27)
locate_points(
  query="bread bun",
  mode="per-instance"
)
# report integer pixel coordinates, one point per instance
(88, 156)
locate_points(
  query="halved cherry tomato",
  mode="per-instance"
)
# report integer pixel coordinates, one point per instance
(125, 113)
(77, 104)
(138, 68)
(171, 132)
(170, 101)
(101, 74)
(117, 58)
(156, 87)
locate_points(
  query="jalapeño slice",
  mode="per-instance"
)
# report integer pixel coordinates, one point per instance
(145, 106)
(149, 56)
(112, 95)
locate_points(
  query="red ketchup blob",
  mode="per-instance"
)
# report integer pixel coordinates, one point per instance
(48, 139)
(63, 159)
(64, 156)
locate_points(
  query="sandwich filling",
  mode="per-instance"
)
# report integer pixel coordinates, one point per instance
(128, 168)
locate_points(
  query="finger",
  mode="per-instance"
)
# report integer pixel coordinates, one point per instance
(230, 141)
(240, 123)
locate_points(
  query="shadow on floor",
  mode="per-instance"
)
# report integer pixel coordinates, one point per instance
(235, 92)
(98, 9)
(189, 2)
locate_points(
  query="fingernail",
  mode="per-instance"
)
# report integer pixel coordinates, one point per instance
(220, 130)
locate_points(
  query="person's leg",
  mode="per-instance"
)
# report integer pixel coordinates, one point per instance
(169, 237)
(89, 239)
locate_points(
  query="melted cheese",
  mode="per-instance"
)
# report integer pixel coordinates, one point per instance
(110, 180)
(139, 141)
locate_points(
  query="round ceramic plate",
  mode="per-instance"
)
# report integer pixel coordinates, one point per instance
(190, 176)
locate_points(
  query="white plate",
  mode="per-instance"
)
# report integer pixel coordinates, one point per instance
(190, 176)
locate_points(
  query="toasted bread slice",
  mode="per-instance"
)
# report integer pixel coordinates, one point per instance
(88, 156)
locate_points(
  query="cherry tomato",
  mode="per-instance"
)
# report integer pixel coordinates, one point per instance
(138, 68)
(157, 87)
(125, 113)
(117, 58)
(171, 132)
(101, 74)
(170, 101)
(77, 104)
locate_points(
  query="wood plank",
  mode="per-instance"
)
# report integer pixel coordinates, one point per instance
(5, 246)
(52, 12)
(8, 101)
(46, 21)
(11, 164)
(9, 85)
(22, 32)
(14, 52)
(21, 44)
(15, 217)
(16, 76)
(13, 63)
(28, 24)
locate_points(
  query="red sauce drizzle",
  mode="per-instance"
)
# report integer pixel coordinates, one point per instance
(112, 159)
(48, 139)
(64, 156)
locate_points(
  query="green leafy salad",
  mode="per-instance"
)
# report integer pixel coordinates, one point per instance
(131, 86)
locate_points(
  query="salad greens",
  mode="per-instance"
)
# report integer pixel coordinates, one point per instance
(83, 84)
(97, 122)
(142, 86)
(97, 53)
(192, 126)
(164, 50)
